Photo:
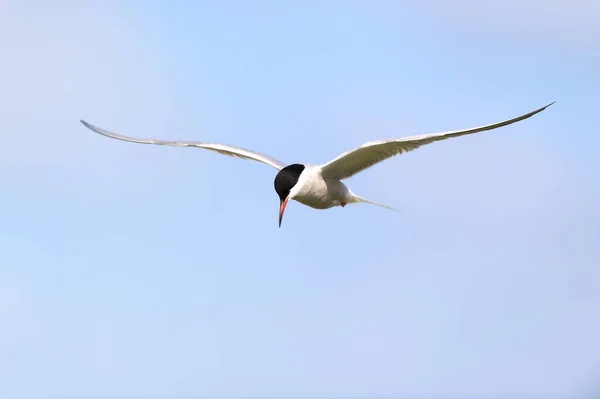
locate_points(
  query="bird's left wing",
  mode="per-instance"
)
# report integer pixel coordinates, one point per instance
(220, 148)
(373, 152)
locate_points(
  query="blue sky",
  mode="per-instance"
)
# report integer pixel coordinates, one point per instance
(152, 272)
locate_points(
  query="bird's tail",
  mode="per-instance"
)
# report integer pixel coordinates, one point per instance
(360, 199)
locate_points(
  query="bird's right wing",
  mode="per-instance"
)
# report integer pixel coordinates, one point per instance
(373, 152)
(220, 148)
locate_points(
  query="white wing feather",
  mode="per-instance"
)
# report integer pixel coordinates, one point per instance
(220, 148)
(373, 152)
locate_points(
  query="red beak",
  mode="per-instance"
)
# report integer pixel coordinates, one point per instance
(282, 209)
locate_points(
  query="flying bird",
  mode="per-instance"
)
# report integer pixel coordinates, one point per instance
(320, 186)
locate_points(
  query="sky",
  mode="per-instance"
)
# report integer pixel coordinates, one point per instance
(132, 271)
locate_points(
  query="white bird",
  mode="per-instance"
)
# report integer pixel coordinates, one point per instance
(320, 186)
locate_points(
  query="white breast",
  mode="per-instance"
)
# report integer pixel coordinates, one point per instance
(314, 191)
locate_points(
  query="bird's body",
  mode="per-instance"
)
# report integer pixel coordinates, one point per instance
(321, 186)
(317, 192)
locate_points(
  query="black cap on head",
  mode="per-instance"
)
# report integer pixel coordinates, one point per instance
(285, 180)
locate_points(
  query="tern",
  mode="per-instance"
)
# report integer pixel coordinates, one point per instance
(320, 186)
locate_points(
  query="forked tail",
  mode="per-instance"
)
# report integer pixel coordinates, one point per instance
(360, 199)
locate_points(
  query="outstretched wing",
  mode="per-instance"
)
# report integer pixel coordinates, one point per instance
(373, 152)
(220, 148)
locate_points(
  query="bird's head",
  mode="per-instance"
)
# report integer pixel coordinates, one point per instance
(285, 180)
